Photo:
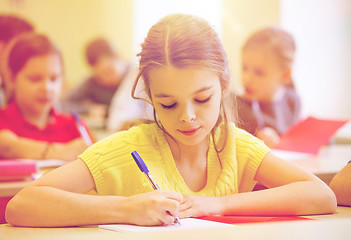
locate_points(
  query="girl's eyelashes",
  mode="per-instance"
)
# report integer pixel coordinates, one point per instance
(196, 100)
(168, 106)
(203, 100)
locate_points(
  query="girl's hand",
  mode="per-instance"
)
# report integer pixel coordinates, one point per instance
(198, 206)
(159, 207)
(269, 136)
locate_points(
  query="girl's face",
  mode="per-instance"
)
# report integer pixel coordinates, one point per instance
(38, 84)
(262, 74)
(187, 102)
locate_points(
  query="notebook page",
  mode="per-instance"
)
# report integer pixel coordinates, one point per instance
(187, 223)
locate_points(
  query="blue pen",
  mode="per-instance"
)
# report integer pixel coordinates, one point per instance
(82, 130)
(143, 168)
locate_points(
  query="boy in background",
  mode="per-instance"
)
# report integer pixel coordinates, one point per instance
(94, 95)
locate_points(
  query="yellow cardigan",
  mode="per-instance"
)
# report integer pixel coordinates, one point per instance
(115, 172)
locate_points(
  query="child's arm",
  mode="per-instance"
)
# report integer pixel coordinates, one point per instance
(58, 199)
(292, 191)
(15, 147)
(341, 185)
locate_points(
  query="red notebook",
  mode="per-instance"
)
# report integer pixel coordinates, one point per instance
(309, 135)
(251, 219)
(16, 169)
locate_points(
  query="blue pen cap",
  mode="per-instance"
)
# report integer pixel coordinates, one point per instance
(142, 166)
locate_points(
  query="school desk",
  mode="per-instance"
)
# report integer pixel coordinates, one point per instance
(9, 188)
(343, 135)
(335, 226)
(329, 161)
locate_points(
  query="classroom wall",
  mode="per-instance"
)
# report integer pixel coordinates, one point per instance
(322, 68)
(71, 24)
(322, 78)
(241, 18)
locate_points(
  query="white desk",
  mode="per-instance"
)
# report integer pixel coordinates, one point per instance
(10, 188)
(330, 160)
(335, 227)
(343, 135)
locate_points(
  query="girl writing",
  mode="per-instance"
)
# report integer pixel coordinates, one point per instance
(269, 105)
(205, 164)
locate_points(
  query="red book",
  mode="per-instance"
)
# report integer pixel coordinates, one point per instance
(16, 169)
(309, 135)
(251, 219)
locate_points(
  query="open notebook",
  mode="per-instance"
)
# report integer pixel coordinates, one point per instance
(204, 222)
(188, 223)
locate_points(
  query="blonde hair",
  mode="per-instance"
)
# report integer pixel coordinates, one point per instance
(278, 41)
(184, 41)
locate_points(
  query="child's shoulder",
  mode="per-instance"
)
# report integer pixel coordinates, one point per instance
(246, 142)
(10, 113)
(242, 101)
(235, 133)
(291, 94)
(241, 136)
(62, 119)
(244, 107)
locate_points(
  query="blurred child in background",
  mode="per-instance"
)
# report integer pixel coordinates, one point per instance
(10, 27)
(126, 111)
(269, 104)
(29, 126)
(94, 95)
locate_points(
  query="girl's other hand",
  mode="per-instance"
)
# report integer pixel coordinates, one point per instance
(198, 206)
(159, 207)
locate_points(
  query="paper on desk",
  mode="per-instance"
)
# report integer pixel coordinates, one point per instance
(309, 135)
(187, 223)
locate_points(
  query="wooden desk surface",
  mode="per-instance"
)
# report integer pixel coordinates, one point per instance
(335, 226)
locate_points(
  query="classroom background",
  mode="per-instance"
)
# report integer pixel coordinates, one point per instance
(322, 29)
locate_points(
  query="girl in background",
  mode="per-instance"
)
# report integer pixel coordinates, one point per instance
(204, 163)
(269, 105)
(30, 127)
